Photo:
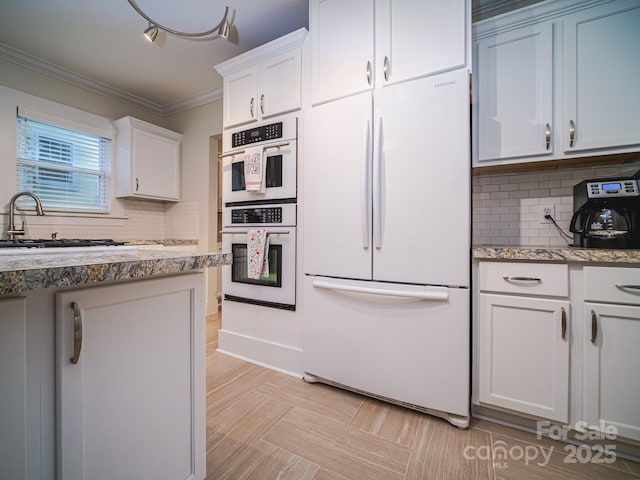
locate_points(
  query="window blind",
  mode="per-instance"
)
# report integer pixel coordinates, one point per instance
(67, 169)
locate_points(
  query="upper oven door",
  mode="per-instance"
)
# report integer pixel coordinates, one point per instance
(280, 161)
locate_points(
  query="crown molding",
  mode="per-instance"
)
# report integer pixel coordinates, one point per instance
(275, 47)
(52, 70)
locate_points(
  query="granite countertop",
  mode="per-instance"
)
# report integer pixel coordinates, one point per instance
(32, 271)
(557, 254)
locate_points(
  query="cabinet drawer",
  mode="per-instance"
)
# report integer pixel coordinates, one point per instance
(612, 284)
(524, 278)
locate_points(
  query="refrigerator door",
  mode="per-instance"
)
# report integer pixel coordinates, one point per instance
(337, 188)
(406, 343)
(421, 184)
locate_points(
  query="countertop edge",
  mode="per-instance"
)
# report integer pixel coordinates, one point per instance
(109, 267)
(556, 254)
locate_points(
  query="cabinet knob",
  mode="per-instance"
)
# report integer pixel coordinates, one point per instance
(251, 107)
(385, 69)
(509, 278)
(564, 323)
(369, 73)
(262, 104)
(137, 184)
(594, 327)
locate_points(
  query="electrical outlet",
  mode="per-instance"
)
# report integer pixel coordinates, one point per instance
(547, 210)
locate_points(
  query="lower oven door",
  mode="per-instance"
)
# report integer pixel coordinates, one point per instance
(278, 289)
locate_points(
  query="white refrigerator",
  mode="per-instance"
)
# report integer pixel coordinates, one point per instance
(387, 244)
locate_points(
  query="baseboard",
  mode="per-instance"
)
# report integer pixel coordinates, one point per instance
(282, 358)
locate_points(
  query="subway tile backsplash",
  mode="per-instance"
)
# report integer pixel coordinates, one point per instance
(506, 208)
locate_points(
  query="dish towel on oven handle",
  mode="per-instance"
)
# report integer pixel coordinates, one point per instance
(257, 253)
(254, 170)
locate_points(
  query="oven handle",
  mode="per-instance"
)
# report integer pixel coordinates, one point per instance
(244, 232)
(231, 154)
(277, 145)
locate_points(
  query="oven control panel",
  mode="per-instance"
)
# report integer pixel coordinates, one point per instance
(256, 215)
(262, 133)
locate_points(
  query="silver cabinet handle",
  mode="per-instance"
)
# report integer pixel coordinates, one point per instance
(564, 323)
(251, 107)
(369, 73)
(630, 287)
(262, 104)
(572, 133)
(547, 136)
(594, 327)
(385, 69)
(77, 332)
(509, 278)
(137, 184)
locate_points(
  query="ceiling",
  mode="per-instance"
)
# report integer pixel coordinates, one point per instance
(99, 44)
(101, 40)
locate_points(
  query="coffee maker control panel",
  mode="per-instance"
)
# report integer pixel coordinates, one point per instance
(613, 188)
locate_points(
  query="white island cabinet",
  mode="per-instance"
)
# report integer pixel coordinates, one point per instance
(13, 383)
(130, 380)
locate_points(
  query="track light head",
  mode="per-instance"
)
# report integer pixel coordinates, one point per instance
(151, 33)
(223, 31)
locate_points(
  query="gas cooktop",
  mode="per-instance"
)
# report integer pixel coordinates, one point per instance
(62, 242)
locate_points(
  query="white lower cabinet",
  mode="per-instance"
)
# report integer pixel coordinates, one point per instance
(524, 355)
(611, 355)
(523, 341)
(13, 383)
(130, 380)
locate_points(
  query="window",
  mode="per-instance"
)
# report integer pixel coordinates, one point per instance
(69, 170)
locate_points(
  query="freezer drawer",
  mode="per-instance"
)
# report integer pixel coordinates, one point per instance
(409, 343)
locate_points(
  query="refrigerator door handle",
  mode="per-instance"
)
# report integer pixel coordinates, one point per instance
(378, 191)
(366, 186)
(388, 293)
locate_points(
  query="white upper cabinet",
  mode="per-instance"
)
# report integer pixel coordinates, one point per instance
(147, 161)
(342, 42)
(414, 39)
(558, 88)
(515, 87)
(264, 82)
(354, 50)
(602, 67)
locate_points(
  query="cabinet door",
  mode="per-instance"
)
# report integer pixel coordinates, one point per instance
(156, 167)
(134, 404)
(13, 388)
(240, 102)
(611, 359)
(421, 206)
(602, 67)
(414, 39)
(280, 80)
(337, 188)
(515, 93)
(523, 356)
(341, 48)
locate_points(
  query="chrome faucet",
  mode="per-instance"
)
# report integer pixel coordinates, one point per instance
(12, 231)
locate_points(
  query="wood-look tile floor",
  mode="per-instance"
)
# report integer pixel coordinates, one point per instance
(264, 425)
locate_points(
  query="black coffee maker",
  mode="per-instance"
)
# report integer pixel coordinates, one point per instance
(607, 213)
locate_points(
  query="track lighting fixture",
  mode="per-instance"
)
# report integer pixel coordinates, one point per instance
(222, 28)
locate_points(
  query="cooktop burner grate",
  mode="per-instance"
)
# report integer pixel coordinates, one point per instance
(62, 242)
